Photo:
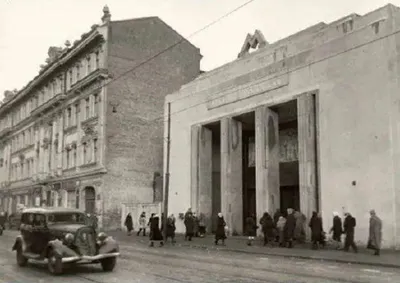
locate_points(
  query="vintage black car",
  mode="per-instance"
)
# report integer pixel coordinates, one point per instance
(59, 236)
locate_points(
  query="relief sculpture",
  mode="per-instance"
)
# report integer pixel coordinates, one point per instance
(288, 145)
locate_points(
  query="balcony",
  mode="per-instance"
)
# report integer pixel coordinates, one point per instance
(53, 102)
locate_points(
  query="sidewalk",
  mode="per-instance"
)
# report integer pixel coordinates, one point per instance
(388, 258)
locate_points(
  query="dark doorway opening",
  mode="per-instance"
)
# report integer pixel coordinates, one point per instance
(289, 164)
(248, 165)
(216, 172)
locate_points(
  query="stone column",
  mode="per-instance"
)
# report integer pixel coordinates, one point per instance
(307, 154)
(202, 173)
(267, 161)
(194, 167)
(231, 174)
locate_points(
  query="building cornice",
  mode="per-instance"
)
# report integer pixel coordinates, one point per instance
(64, 58)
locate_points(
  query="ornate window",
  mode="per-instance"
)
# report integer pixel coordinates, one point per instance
(88, 64)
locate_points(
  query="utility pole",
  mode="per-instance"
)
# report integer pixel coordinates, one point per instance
(166, 190)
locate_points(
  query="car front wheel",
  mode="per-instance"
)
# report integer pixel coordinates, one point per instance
(108, 264)
(21, 260)
(54, 264)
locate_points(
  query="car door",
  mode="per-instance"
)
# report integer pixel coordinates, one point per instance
(26, 229)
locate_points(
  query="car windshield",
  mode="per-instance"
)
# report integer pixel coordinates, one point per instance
(67, 217)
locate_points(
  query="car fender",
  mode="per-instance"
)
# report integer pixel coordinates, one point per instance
(19, 242)
(109, 245)
(60, 249)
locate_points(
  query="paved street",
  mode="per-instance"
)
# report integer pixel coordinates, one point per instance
(140, 263)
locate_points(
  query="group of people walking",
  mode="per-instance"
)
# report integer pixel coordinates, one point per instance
(284, 228)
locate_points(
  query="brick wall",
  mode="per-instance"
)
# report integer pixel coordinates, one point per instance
(134, 133)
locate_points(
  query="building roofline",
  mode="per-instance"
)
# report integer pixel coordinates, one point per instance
(66, 55)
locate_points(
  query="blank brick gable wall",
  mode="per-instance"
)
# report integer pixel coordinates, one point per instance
(134, 134)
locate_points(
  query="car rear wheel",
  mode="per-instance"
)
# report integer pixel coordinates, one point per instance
(108, 264)
(54, 264)
(21, 260)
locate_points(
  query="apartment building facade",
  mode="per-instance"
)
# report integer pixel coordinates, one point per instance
(75, 136)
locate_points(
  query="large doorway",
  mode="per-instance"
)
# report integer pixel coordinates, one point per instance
(248, 165)
(216, 172)
(289, 164)
(90, 200)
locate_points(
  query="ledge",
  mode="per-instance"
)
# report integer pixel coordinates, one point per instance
(23, 149)
(71, 169)
(91, 119)
(70, 129)
(91, 164)
(53, 102)
(5, 132)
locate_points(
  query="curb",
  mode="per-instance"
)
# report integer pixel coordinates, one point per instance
(358, 262)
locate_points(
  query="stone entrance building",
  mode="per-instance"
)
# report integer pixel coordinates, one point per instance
(309, 122)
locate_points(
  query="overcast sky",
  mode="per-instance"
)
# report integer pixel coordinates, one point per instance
(29, 27)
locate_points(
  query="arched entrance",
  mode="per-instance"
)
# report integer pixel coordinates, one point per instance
(90, 200)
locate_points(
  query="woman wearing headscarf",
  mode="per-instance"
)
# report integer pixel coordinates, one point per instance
(375, 232)
(251, 229)
(267, 225)
(171, 228)
(280, 226)
(220, 232)
(337, 229)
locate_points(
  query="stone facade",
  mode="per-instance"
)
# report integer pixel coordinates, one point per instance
(343, 80)
(83, 135)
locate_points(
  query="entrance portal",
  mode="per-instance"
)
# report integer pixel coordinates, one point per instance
(90, 200)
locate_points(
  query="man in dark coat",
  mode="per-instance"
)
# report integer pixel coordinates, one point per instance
(267, 225)
(348, 228)
(289, 227)
(129, 223)
(189, 224)
(316, 230)
(155, 233)
(337, 229)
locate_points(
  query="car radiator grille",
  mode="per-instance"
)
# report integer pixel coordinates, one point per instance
(86, 242)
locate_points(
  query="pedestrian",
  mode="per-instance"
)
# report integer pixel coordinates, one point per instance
(316, 230)
(267, 226)
(142, 224)
(349, 229)
(280, 226)
(155, 234)
(289, 228)
(129, 223)
(337, 229)
(220, 232)
(322, 239)
(189, 225)
(276, 219)
(251, 229)
(202, 225)
(299, 232)
(375, 232)
(196, 225)
(171, 228)
(149, 223)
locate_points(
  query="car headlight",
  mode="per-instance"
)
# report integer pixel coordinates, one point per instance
(102, 236)
(69, 238)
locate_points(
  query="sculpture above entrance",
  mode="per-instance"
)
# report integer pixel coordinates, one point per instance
(256, 40)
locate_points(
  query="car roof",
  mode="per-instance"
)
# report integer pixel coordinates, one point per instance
(49, 210)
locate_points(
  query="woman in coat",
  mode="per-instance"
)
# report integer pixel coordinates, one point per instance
(129, 223)
(202, 225)
(337, 229)
(299, 233)
(251, 229)
(189, 224)
(155, 234)
(280, 226)
(220, 233)
(289, 227)
(316, 230)
(375, 233)
(171, 228)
